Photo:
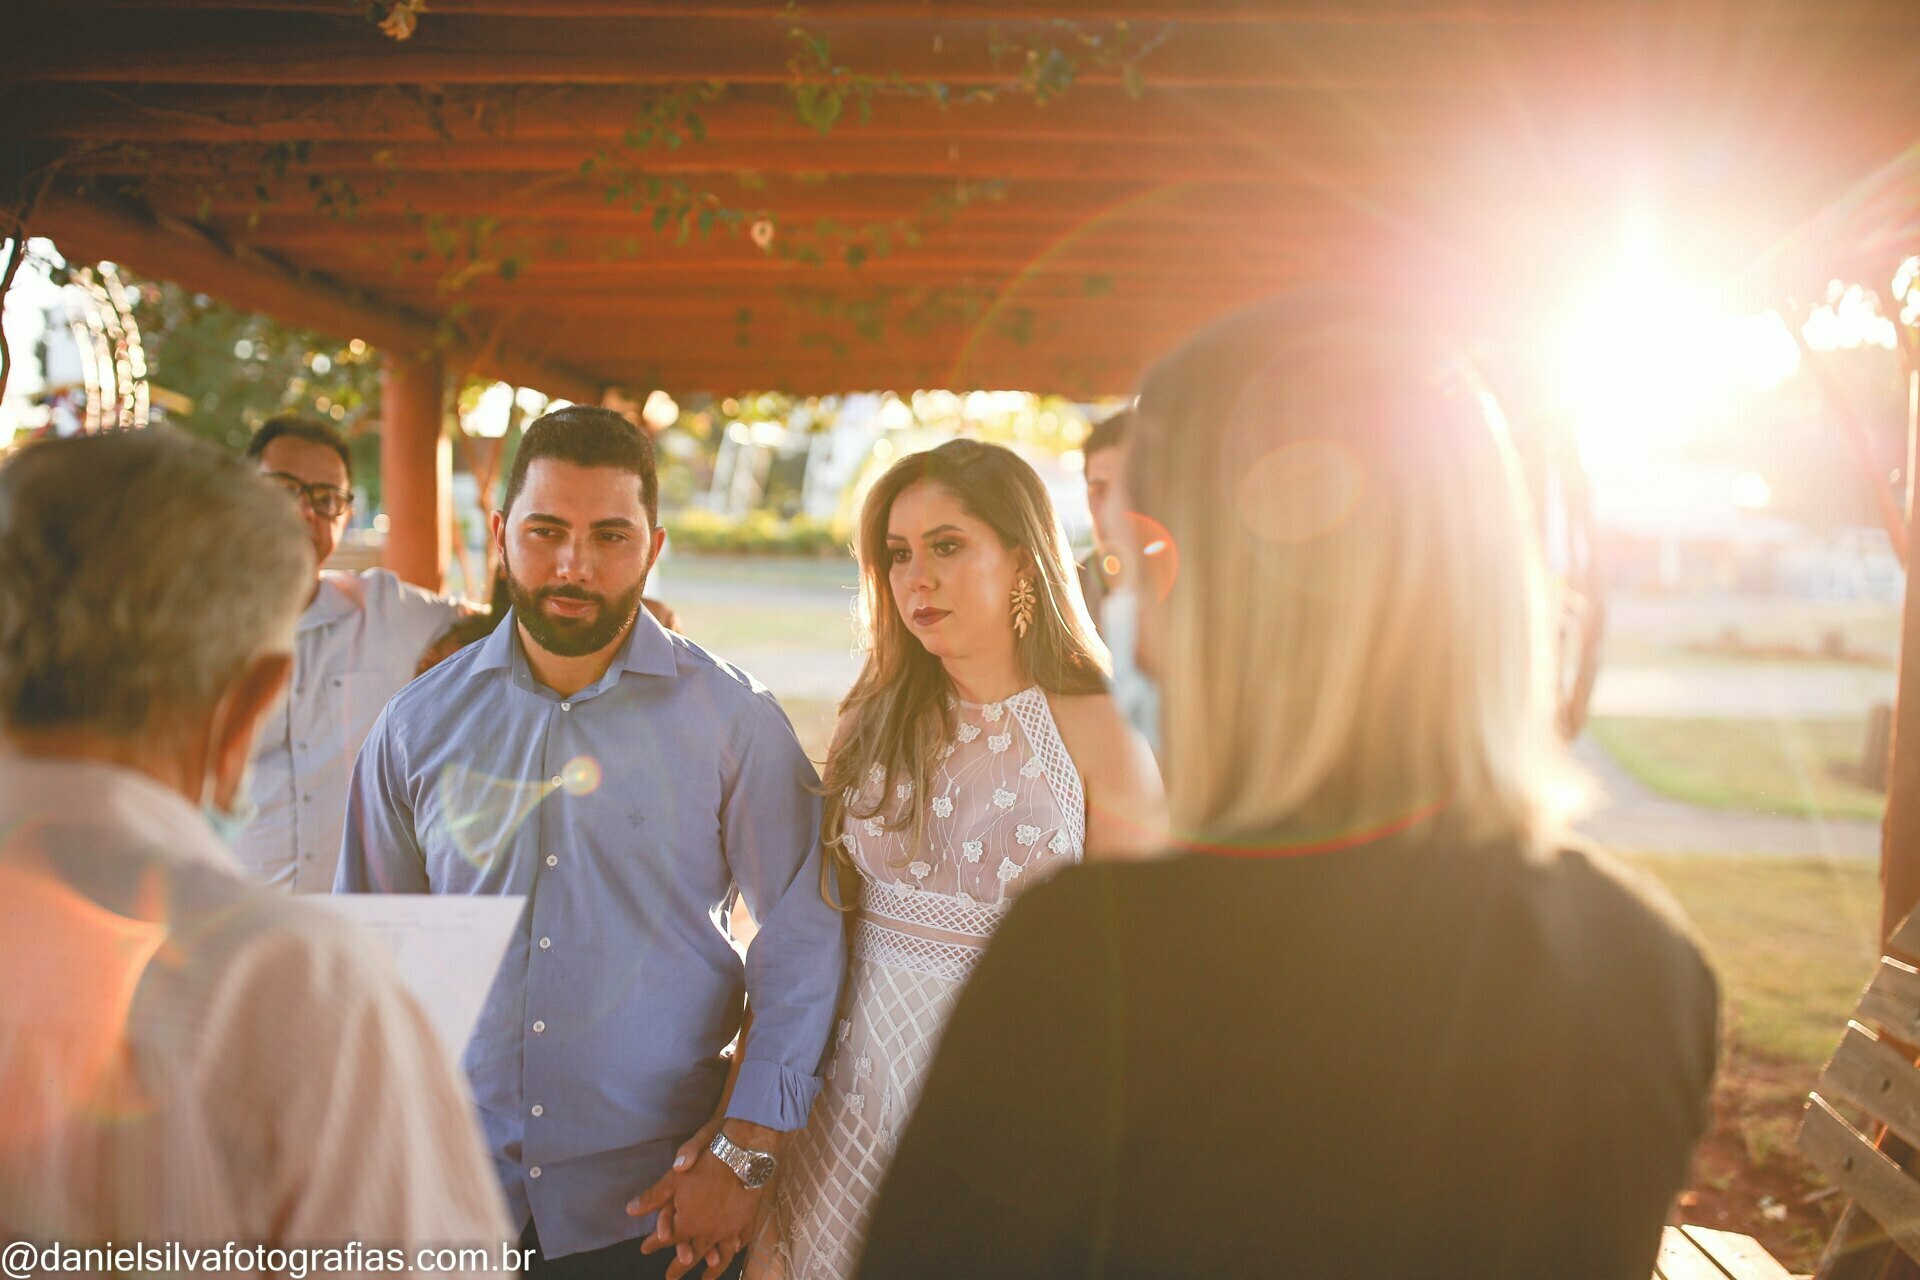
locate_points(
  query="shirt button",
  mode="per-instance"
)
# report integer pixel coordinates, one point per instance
(534, 1172)
(556, 779)
(552, 861)
(538, 1110)
(545, 943)
(539, 1027)
(566, 706)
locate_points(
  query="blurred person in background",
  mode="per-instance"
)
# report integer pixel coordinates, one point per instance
(184, 1056)
(1105, 454)
(361, 637)
(977, 754)
(1375, 1016)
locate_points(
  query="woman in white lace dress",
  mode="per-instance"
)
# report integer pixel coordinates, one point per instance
(977, 753)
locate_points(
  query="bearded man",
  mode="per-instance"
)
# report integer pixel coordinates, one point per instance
(631, 785)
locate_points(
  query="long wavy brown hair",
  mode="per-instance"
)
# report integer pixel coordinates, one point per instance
(897, 714)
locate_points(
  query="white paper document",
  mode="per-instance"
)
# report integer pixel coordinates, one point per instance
(447, 948)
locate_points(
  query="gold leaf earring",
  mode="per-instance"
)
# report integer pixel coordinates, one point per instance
(1022, 607)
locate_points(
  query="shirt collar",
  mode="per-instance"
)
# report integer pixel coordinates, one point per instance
(111, 798)
(648, 650)
(339, 595)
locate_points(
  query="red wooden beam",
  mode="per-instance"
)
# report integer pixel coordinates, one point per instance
(1646, 53)
(90, 230)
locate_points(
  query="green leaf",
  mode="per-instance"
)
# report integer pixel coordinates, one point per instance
(661, 215)
(1130, 80)
(856, 254)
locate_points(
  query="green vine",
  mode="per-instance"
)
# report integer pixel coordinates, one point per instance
(823, 87)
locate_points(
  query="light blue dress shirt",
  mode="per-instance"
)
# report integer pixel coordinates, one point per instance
(630, 813)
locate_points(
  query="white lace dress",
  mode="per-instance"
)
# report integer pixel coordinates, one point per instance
(1005, 809)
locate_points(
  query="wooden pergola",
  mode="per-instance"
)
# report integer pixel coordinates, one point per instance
(1010, 195)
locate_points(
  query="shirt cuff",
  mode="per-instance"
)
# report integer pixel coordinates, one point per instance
(769, 1094)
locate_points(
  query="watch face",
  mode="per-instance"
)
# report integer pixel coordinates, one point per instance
(759, 1169)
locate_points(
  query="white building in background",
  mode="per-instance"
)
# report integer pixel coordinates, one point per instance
(1681, 527)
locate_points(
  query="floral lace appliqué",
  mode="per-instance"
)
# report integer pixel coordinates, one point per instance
(1027, 835)
(1059, 843)
(992, 712)
(920, 870)
(971, 850)
(1003, 798)
(968, 732)
(1008, 869)
(943, 806)
(1032, 768)
(999, 742)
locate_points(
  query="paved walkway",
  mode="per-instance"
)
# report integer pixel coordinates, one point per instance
(1743, 691)
(1629, 818)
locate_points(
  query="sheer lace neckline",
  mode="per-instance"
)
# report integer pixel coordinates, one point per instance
(959, 701)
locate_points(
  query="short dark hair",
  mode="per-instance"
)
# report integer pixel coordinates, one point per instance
(1109, 434)
(588, 437)
(309, 429)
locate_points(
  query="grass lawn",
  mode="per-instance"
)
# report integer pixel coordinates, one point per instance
(726, 626)
(1792, 767)
(1795, 942)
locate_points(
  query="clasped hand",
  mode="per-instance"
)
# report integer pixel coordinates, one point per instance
(704, 1210)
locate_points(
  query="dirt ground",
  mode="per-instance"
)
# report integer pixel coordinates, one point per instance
(1748, 1174)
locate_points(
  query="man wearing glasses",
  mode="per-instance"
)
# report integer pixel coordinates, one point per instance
(361, 638)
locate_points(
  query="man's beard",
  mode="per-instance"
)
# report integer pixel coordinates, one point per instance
(572, 637)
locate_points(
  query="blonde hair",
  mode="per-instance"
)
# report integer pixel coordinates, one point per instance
(896, 715)
(1354, 634)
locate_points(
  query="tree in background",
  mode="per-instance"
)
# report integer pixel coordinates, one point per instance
(230, 370)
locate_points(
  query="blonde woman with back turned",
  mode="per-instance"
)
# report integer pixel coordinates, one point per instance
(977, 754)
(1376, 1017)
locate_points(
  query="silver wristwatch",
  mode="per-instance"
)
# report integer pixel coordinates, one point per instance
(753, 1168)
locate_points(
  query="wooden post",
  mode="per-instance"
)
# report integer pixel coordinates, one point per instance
(1900, 834)
(416, 470)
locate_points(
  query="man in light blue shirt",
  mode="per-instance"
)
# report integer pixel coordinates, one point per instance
(630, 784)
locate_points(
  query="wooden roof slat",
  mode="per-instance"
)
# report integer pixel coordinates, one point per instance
(1476, 13)
(983, 159)
(292, 49)
(869, 198)
(385, 116)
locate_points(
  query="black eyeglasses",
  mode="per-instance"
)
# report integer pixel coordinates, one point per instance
(326, 500)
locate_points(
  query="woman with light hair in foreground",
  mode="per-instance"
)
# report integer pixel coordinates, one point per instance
(1374, 1016)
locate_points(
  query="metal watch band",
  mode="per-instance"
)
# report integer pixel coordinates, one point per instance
(753, 1168)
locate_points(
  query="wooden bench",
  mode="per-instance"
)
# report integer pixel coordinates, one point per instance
(1873, 1073)
(1701, 1253)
